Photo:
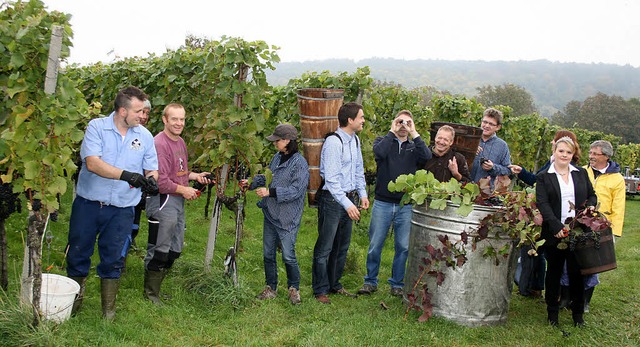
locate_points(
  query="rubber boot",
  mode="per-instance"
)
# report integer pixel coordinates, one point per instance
(587, 298)
(152, 282)
(578, 321)
(565, 297)
(109, 291)
(77, 303)
(552, 318)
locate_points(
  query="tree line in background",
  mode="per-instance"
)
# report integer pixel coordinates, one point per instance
(551, 84)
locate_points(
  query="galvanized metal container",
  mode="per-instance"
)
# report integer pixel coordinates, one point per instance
(475, 294)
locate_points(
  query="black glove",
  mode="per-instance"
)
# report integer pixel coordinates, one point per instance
(134, 179)
(151, 188)
(258, 181)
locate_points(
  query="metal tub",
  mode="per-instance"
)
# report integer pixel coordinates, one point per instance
(479, 292)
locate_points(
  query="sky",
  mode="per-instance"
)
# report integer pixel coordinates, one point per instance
(584, 31)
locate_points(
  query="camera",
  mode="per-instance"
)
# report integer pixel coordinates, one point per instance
(483, 160)
(403, 122)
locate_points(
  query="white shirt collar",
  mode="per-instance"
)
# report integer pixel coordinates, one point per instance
(552, 168)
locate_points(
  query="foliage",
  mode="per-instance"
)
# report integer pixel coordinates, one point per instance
(602, 112)
(508, 94)
(423, 186)
(39, 131)
(518, 218)
(628, 155)
(457, 109)
(221, 83)
(452, 255)
(527, 137)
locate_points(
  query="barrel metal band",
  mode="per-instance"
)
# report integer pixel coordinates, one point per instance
(304, 139)
(319, 99)
(318, 117)
(444, 230)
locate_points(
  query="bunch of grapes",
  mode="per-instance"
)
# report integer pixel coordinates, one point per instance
(9, 201)
(493, 201)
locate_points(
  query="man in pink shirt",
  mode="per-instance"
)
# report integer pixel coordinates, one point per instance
(165, 211)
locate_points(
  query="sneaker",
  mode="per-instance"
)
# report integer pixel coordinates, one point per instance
(344, 292)
(397, 291)
(267, 293)
(367, 289)
(294, 296)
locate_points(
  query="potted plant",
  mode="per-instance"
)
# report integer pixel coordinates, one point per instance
(447, 217)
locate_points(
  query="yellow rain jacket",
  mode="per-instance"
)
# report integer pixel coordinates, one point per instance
(611, 191)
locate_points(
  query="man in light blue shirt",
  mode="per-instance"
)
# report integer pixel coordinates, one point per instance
(117, 154)
(493, 156)
(342, 170)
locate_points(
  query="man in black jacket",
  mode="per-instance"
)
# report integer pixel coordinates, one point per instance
(395, 155)
(447, 163)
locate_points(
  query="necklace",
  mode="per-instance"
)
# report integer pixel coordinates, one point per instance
(563, 174)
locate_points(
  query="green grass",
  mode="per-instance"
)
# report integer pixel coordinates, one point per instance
(206, 310)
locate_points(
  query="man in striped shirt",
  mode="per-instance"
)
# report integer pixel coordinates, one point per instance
(342, 170)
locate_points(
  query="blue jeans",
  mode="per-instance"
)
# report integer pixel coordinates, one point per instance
(110, 225)
(270, 237)
(383, 214)
(330, 251)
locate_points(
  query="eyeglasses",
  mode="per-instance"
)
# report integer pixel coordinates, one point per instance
(594, 153)
(489, 123)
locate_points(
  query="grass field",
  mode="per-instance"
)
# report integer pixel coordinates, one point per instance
(207, 310)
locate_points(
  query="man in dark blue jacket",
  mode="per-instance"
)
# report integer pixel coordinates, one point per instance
(395, 155)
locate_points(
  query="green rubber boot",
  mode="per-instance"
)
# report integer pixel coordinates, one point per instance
(77, 303)
(109, 291)
(152, 282)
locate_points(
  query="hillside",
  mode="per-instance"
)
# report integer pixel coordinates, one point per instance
(551, 84)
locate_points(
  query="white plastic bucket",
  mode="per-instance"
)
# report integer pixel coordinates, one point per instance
(57, 296)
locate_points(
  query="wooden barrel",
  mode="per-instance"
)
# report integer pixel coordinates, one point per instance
(318, 116)
(465, 142)
(591, 259)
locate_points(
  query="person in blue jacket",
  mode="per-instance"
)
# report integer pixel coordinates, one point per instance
(282, 205)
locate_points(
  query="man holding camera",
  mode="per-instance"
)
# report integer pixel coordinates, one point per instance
(395, 155)
(117, 154)
(492, 157)
(165, 211)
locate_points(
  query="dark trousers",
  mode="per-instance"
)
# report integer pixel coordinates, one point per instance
(533, 270)
(555, 262)
(110, 225)
(330, 251)
(136, 219)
